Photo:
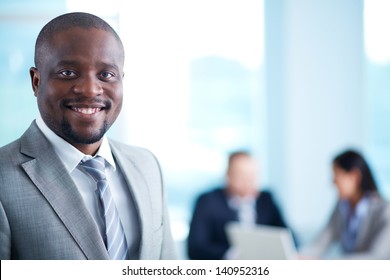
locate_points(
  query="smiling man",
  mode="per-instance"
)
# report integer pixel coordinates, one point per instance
(66, 190)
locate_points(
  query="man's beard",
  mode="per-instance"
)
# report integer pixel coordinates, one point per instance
(71, 136)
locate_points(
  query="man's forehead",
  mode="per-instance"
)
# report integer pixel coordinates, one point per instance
(77, 37)
(83, 32)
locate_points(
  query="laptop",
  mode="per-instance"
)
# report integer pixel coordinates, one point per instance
(259, 242)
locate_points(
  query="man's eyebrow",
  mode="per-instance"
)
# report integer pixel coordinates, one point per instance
(110, 65)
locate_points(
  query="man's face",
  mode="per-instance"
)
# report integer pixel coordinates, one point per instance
(79, 84)
(242, 176)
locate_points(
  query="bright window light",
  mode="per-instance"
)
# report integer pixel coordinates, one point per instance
(376, 29)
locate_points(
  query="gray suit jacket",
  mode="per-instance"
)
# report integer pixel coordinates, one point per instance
(373, 241)
(43, 216)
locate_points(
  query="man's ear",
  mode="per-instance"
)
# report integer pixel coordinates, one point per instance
(35, 79)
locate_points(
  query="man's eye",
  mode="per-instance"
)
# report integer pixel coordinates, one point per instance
(107, 75)
(68, 73)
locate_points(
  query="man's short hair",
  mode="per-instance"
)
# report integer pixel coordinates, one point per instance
(65, 22)
(236, 154)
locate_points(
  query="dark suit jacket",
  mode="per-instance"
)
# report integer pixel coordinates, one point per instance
(207, 238)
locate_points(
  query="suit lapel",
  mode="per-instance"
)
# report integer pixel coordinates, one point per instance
(49, 175)
(141, 196)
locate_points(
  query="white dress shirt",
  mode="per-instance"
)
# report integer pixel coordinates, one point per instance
(246, 214)
(71, 157)
(245, 208)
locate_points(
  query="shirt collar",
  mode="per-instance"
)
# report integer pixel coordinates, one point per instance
(361, 207)
(236, 202)
(68, 154)
(105, 152)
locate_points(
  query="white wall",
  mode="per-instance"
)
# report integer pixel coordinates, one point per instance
(314, 86)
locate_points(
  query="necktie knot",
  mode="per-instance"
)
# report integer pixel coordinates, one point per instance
(95, 167)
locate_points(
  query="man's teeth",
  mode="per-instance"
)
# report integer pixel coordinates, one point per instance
(87, 111)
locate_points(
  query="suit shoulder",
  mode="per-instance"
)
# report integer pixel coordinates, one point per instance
(381, 206)
(266, 195)
(10, 153)
(133, 152)
(212, 195)
(10, 148)
(10, 159)
(136, 157)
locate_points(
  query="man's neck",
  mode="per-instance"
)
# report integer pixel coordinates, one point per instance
(88, 149)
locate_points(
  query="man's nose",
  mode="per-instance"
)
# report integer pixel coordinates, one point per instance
(88, 85)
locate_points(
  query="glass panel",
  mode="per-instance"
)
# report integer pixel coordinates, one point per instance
(377, 46)
(194, 90)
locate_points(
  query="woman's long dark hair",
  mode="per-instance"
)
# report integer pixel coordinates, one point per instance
(350, 160)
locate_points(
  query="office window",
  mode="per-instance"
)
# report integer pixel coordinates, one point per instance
(20, 22)
(377, 48)
(194, 90)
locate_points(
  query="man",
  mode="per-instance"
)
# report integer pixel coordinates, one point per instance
(239, 201)
(66, 191)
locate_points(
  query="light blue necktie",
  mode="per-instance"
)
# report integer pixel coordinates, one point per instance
(114, 238)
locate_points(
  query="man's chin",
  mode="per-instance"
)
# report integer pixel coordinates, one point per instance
(76, 137)
(79, 138)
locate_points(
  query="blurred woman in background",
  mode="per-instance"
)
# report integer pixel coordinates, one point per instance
(360, 222)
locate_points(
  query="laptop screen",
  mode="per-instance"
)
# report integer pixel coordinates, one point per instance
(259, 242)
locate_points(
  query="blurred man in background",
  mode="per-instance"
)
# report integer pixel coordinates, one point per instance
(240, 200)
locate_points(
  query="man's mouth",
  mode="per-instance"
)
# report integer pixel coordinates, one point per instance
(87, 110)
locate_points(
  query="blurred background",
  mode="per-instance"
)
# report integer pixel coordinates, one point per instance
(293, 81)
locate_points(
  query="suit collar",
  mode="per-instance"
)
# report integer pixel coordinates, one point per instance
(50, 176)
